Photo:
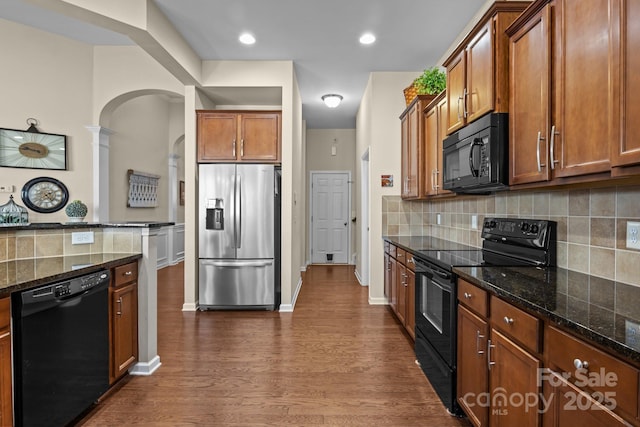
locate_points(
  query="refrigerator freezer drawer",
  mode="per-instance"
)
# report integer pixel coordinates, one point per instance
(237, 284)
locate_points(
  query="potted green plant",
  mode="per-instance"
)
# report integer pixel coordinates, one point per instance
(431, 82)
(76, 211)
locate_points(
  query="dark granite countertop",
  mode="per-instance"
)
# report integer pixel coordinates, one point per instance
(425, 243)
(71, 225)
(18, 275)
(600, 310)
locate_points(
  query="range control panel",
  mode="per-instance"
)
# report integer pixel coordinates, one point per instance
(521, 231)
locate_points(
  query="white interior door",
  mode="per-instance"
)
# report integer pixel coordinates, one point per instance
(329, 217)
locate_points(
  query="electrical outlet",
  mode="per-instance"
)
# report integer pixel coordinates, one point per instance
(6, 188)
(81, 237)
(633, 235)
(474, 222)
(438, 219)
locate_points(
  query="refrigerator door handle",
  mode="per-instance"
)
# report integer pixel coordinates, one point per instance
(239, 211)
(252, 263)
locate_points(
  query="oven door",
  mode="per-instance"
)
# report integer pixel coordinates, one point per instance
(435, 309)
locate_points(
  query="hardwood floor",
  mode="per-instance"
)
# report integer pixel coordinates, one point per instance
(335, 361)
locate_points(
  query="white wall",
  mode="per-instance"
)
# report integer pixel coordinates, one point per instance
(319, 158)
(378, 126)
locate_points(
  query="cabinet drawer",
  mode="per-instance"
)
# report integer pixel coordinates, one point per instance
(519, 325)
(564, 351)
(473, 297)
(392, 250)
(401, 255)
(386, 247)
(125, 274)
(5, 312)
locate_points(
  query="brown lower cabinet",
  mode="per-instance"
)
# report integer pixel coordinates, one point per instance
(400, 286)
(6, 406)
(123, 309)
(502, 380)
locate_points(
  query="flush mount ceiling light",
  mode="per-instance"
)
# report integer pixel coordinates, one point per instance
(332, 100)
(367, 38)
(246, 38)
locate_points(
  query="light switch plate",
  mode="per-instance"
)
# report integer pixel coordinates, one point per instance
(81, 237)
(6, 188)
(633, 235)
(474, 222)
(438, 219)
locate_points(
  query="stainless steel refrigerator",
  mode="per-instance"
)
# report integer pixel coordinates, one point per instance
(239, 236)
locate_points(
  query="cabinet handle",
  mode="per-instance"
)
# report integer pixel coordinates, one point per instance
(464, 104)
(234, 148)
(552, 162)
(479, 336)
(437, 185)
(119, 312)
(242, 147)
(508, 320)
(128, 273)
(467, 295)
(489, 347)
(458, 107)
(410, 260)
(580, 364)
(540, 138)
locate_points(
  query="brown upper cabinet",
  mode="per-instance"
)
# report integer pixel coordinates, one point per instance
(478, 70)
(412, 143)
(565, 91)
(435, 124)
(240, 136)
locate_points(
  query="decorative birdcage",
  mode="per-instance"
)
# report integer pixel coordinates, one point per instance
(13, 214)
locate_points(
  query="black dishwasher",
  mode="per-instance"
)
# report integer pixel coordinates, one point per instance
(60, 349)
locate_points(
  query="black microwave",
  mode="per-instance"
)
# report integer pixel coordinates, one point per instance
(475, 158)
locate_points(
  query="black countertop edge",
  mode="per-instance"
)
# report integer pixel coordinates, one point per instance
(471, 274)
(414, 244)
(116, 261)
(74, 225)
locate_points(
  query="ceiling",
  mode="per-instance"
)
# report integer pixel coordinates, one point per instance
(319, 36)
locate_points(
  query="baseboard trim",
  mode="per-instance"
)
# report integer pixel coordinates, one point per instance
(378, 301)
(145, 368)
(357, 273)
(189, 306)
(288, 308)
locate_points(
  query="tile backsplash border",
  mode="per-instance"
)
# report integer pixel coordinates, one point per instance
(591, 223)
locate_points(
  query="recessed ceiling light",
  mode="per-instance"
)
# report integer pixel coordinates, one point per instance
(246, 38)
(367, 38)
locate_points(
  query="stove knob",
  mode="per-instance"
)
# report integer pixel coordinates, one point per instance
(534, 229)
(524, 227)
(492, 224)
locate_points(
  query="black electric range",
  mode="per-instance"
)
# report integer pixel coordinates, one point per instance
(506, 242)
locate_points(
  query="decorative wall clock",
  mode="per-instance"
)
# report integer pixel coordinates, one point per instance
(45, 195)
(32, 149)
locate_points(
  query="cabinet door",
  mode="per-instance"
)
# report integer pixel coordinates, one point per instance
(569, 406)
(6, 407)
(410, 318)
(401, 294)
(404, 167)
(260, 137)
(125, 328)
(393, 289)
(626, 151)
(585, 95)
(387, 277)
(529, 109)
(414, 150)
(442, 133)
(480, 71)
(217, 136)
(455, 93)
(473, 378)
(513, 374)
(431, 151)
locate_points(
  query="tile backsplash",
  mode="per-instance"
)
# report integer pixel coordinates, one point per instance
(592, 223)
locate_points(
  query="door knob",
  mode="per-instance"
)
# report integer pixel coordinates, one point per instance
(345, 224)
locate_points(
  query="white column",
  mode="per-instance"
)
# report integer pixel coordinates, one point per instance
(148, 359)
(100, 144)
